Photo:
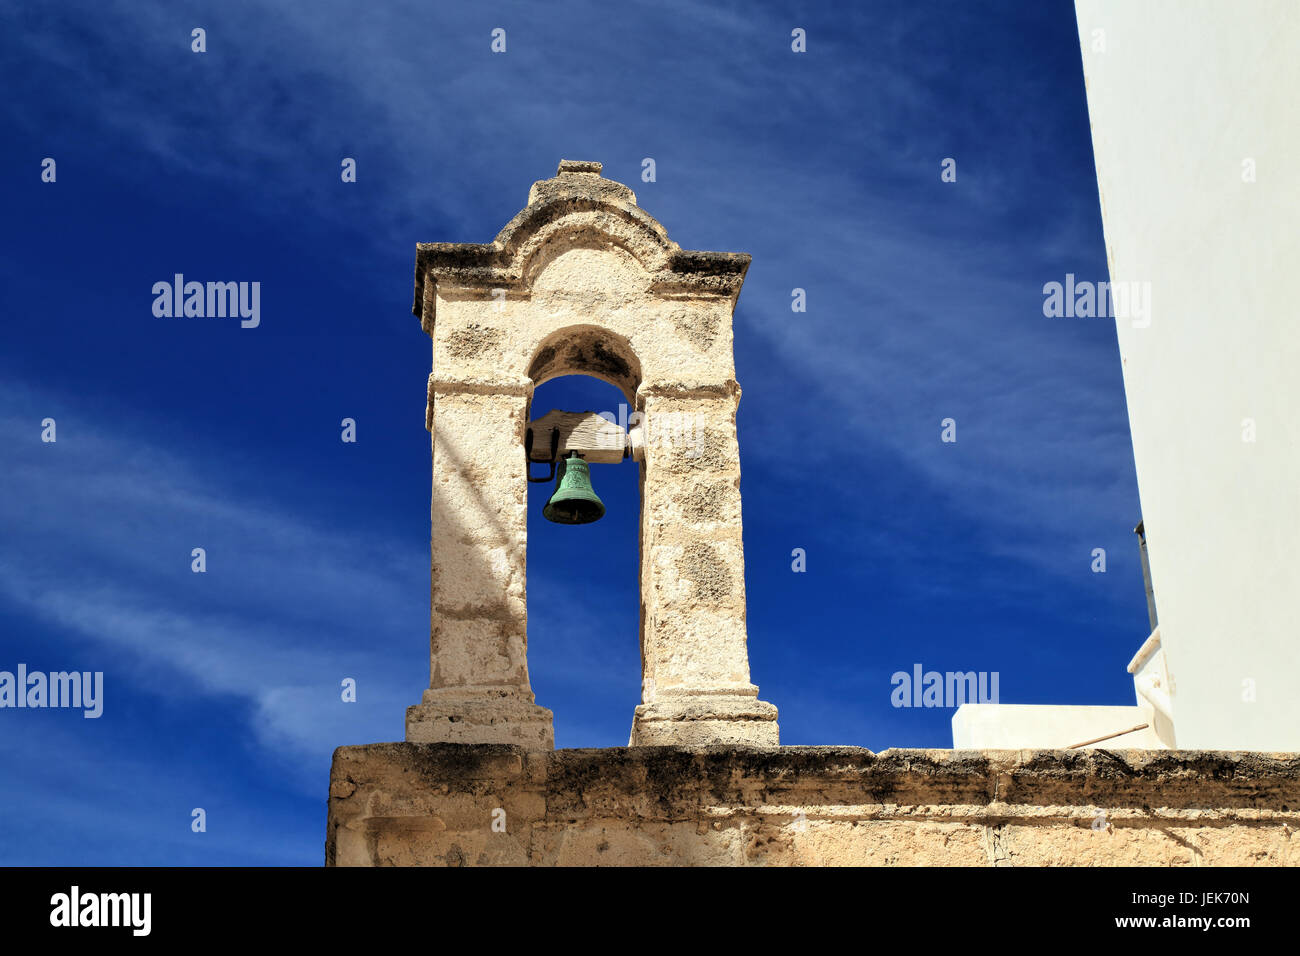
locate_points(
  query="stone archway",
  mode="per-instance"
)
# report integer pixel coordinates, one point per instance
(582, 280)
(587, 350)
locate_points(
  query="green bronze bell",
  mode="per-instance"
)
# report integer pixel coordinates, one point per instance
(573, 501)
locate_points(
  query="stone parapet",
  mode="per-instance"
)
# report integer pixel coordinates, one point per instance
(461, 804)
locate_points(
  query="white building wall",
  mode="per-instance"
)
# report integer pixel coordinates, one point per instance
(1181, 95)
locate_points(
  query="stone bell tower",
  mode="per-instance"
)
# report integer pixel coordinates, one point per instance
(582, 281)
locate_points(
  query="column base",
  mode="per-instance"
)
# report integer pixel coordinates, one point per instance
(480, 720)
(699, 721)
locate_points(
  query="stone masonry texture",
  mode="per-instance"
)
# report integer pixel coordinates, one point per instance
(404, 804)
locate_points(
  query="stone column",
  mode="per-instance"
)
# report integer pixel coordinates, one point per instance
(695, 663)
(478, 683)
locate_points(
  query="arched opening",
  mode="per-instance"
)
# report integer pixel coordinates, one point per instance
(587, 350)
(583, 590)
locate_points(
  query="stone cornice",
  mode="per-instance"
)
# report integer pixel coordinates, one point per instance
(577, 198)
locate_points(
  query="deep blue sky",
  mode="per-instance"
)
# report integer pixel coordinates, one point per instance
(924, 302)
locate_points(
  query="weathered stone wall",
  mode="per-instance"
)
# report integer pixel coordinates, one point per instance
(435, 804)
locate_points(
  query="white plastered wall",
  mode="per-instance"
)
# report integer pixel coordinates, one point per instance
(1184, 97)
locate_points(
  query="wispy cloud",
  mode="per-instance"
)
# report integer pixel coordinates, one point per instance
(99, 549)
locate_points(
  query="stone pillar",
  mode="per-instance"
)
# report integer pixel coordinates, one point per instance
(478, 673)
(695, 660)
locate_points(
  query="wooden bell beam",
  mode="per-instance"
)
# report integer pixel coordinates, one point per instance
(598, 440)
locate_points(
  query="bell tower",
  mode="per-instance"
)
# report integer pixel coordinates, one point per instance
(582, 281)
